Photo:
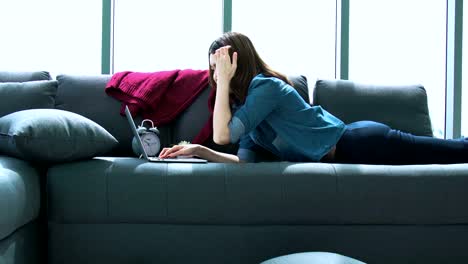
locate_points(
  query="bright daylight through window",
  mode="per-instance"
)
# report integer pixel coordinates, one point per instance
(51, 35)
(293, 38)
(161, 35)
(390, 45)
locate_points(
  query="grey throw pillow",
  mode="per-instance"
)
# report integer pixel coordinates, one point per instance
(52, 135)
(27, 95)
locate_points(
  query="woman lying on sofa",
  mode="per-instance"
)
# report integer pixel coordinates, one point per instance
(258, 107)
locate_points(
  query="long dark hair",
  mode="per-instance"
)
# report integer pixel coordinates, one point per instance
(249, 64)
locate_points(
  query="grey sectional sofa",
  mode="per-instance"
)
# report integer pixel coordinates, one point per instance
(116, 208)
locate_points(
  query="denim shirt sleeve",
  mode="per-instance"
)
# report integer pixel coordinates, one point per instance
(246, 152)
(262, 98)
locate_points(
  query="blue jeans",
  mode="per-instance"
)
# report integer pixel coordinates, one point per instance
(368, 142)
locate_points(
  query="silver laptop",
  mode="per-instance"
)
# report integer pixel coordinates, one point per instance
(156, 159)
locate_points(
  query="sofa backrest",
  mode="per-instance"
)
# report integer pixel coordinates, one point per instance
(85, 95)
(26, 90)
(400, 107)
(190, 122)
(6, 76)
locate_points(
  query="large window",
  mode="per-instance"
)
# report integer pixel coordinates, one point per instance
(153, 35)
(464, 124)
(51, 35)
(401, 42)
(293, 37)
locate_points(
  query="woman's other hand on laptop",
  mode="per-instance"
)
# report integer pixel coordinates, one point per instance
(186, 150)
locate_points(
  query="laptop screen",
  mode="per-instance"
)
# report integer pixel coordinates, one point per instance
(134, 130)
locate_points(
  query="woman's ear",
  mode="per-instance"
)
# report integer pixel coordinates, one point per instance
(231, 54)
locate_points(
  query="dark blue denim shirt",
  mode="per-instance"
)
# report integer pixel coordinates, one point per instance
(276, 118)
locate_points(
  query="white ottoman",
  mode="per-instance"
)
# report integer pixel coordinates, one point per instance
(313, 258)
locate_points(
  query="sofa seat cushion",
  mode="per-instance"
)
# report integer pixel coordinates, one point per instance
(24, 246)
(412, 194)
(129, 190)
(19, 194)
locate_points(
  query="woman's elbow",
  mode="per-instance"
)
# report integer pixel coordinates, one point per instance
(221, 140)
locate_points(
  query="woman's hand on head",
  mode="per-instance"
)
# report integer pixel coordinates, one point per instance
(225, 69)
(180, 150)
